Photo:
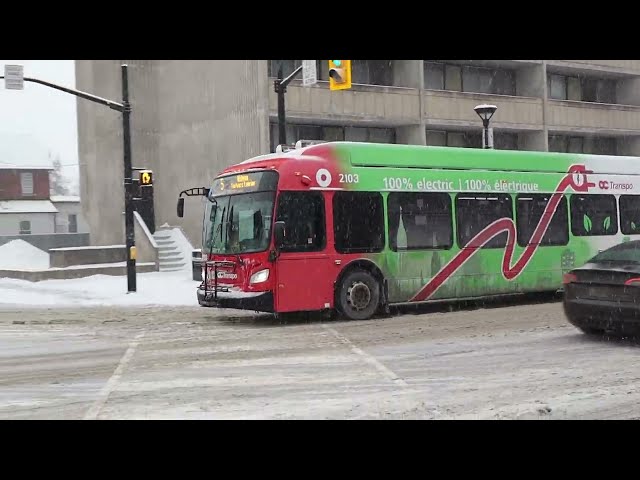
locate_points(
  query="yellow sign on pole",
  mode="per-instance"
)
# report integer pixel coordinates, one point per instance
(146, 177)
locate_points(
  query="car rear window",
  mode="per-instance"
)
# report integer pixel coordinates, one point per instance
(624, 252)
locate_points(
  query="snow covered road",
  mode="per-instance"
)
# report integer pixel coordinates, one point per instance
(510, 362)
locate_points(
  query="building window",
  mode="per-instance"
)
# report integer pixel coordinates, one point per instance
(73, 223)
(419, 221)
(372, 72)
(591, 145)
(581, 89)
(474, 212)
(439, 76)
(288, 66)
(453, 78)
(26, 183)
(505, 141)
(303, 214)
(557, 85)
(593, 215)
(25, 227)
(433, 76)
(333, 134)
(370, 134)
(366, 72)
(454, 139)
(358, 222)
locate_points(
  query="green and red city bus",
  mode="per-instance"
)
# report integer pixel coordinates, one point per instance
(355, 227)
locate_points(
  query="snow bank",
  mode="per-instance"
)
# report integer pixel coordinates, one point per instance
(153, 289)
(21, 255)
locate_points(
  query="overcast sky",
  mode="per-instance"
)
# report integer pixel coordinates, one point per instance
(44, 113)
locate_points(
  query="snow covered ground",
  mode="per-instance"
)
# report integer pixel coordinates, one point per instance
(155, 288)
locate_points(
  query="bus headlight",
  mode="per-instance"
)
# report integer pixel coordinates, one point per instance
(260, 276)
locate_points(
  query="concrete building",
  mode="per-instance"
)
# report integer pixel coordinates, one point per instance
(192, 118)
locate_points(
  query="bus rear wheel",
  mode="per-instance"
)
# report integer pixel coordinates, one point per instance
(358, 295)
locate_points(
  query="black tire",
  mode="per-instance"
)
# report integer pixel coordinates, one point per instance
(591, 330)
(358, 295)
(586, 328)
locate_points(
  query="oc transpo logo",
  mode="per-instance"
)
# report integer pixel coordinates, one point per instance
(323, 177)
(227, 275)
(607, 185)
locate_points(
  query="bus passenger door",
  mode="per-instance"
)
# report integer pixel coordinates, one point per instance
(303, 270)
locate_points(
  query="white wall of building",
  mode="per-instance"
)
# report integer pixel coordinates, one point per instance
(62, 217)
(41, 223)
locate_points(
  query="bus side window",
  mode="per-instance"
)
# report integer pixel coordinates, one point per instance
(358, 222)
(630, 214)
(303, 214)
(475, 211)
(425, 217)
(529, 210)
(593, 215)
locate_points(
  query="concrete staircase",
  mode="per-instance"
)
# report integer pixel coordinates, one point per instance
(171, 257)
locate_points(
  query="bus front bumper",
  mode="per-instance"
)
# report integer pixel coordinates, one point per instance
(257, 301)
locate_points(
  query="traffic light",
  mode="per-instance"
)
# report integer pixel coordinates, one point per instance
(339, 74)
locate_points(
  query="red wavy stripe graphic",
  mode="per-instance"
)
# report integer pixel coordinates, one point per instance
(496, 228)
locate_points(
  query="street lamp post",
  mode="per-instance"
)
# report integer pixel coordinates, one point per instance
(485, 112)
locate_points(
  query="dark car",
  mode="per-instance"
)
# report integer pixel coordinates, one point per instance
(604, 294)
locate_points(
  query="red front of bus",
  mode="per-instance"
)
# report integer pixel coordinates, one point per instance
(237, 242)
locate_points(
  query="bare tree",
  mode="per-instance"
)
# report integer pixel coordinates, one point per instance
(58, 183)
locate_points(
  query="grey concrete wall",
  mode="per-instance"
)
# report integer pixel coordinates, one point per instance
(68, 257)
(218, 118)
(65, 273)
(41, 223)
(191, 118)
(53, 240)
(146, 246)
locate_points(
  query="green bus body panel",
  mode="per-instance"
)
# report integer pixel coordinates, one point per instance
(389, 168)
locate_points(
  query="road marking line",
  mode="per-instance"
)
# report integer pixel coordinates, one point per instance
(111, 384)
(368, 358)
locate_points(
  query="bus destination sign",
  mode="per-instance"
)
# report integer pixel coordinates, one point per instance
(244, 183)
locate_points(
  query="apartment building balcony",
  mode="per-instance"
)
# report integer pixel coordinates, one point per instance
(602, 67)
(593, 118)
(370, 105)
(446, 108)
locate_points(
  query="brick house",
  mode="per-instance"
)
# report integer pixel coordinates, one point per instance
(25, 202)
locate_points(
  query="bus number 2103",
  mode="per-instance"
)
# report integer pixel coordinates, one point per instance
(349, 178)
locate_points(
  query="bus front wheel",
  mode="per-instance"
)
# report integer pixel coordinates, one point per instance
(358, 295)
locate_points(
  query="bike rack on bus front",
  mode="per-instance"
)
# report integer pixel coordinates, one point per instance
(215, 265)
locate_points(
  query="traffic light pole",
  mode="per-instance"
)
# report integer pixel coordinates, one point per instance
(280, 87)
(128, 183)
(125, 109)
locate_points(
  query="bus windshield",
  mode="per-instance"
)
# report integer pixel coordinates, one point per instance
(237, 218)
(236, 224)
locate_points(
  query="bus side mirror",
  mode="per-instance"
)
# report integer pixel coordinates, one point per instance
(181, 207)
(278, 234)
